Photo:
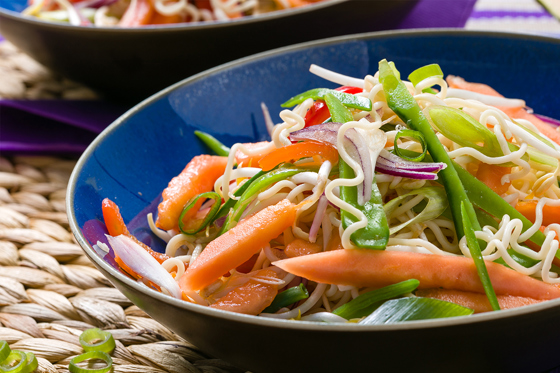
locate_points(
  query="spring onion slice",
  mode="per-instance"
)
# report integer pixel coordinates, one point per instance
(414, 308)
(425, 72)
(213, 143)
(4, 350)
(472, 243)
(32, 363)
(14, 363)
(287, 297)
(74, 368)
(413, 135)
(97, 340)
(351, 101)
(366, 303)
(207, 219)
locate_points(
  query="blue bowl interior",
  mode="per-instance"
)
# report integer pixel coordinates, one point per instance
(13, 5)
(134, 159)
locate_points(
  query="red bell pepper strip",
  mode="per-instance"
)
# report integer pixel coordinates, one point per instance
(319, 112)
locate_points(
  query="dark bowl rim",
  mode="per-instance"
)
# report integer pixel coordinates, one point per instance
(280, 323)
(184, 27)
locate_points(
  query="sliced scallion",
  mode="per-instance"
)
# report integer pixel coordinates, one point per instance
(97, 340)
(366, 303)
(4, 350)
(425, 72)
(213, 143)
(209, 216)
(32, 363)
(476, 255)
(413, 308)
(413, 135)
(14, 363)
(287, 297)
(74, 368)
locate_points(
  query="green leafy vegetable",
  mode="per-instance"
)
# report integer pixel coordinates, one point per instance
(349, 100)
(287, 297)
(213, 143)
(437, 203)
(366, 303)
(410, 309)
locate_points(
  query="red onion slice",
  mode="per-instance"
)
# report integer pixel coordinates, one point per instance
(319, 215)
(141, 262)
(390, 169)
(554, 122)
(398, 162)
(355, 145)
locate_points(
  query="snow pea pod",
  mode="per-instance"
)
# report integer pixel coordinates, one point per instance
(375, 234)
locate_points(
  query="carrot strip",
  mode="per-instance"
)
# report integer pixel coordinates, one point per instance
(199, 176)
(551, 214)
(297, 151)
(546, 129)
(374, 268)
(116, 226)
(138, 13)
(238, 245)
(250, 298)
(475, 301)
(458, 82)
(252, 160)
(300, 247)
(491, 175)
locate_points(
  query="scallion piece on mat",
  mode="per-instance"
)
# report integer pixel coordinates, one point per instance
(97, 340)
(4, 350)
(287, 297)
(74, 368)
(410, 309)
(213, 143)
(32, 363)
(14, 363)
(366, 303)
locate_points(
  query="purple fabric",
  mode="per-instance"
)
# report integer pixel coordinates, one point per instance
(438, 13)
(53, 126)
(504, 14)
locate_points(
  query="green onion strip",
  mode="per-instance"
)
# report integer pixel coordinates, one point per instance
(207, 219)
(14, 363)
(416, 135)
(97, 340)
(74, 368)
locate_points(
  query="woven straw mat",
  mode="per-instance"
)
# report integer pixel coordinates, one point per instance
(49, 290)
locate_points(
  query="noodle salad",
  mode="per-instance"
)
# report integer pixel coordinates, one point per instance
(136, 13)
(383, 200)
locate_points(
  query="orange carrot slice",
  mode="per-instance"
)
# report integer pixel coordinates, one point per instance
(374, 268)
(199, 176)
(551, 214)
(300, 247)
(252, 160)
(160, 19)
(297, 151)
(546, 129)
(491, 175)
(475, 301)
(250, 298)
(116, 226)
(460, 83)
(237, 245)
(138, 13)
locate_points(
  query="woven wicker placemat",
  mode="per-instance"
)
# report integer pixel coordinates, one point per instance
(49, 290)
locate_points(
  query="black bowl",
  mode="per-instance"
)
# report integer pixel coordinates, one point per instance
(130, 64)
(132, 161)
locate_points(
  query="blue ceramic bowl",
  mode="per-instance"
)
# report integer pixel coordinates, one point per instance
(132, 161)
